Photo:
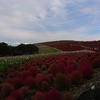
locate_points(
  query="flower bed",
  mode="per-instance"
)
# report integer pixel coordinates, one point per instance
(48, 78)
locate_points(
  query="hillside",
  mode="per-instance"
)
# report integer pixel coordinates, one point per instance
(74, 45)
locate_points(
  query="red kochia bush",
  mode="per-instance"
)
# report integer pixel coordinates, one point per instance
(43, 67)
(45, 86)
(1, 80)
(71, 62)
(96, 62)
(33, 70)
(7, 88)
(2, 74)
(17, 95)
(17, 82)
(62, 81)
(39, 96)
(30, 81)
(27, 65)
(17, 73)
(87, 72)
(69, 69)
(62, 65)
(10, 98)
(11, 75)
(24, 90)
(54, 94)
(21, 67)
(25, 74)
(54, 69)
(76, 77)
(67, 96)
(40, 78)
(10, 70)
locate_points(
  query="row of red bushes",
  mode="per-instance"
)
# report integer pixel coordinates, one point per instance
(42, 75)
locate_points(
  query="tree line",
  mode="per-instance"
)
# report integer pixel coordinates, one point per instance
(21, 49)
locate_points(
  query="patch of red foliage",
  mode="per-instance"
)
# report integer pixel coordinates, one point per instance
(54, 94)
(10, 98)
(2, 74)
(25, 74)
(17, 82)
(96, 62)
(55, 68)
(7, 88)
(33, 70)
(87, 72)
(47, 73)
(40, 78)
(76, 77)
(30, 81)
(24, 90)
(62, 81)
(11, 70)
(69, 69)
(17, 95)
(39, 96)
(68, 96)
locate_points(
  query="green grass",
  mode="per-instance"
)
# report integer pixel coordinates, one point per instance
(46, 49)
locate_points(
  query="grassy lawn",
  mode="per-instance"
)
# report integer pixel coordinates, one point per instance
(46, 49)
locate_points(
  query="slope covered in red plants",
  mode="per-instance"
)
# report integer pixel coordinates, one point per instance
(74, 45)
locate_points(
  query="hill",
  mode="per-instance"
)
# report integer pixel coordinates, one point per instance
(66, 45)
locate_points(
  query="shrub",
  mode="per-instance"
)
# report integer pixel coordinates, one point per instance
(11, 75)
(87, 72)
(2, 74)
(96, 62)
(25, 74)
(33, 70)
(62, 81)
(9, 80)
(7, 88)
(40, 78)
(17, 82)
(54, 69)
(27, 65)
(45, 86)
(21, 67)
(10, 98)
(51, 77)
(30, 81)
(17, 95)
(69, 69)
(39, 96)
(71, 62)
(24, 90)
(0, 87)
(1, 80)
(67, 96)
(76, 77)
(11, 70)
(17, 74)
(54, 94)
(62, 65)
(43, 67)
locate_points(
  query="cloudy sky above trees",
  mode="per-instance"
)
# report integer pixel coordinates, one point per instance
(34, 21)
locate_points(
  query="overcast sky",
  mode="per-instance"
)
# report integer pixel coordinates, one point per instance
(34, 21)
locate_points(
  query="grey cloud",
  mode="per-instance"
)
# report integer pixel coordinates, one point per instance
(30, 21)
